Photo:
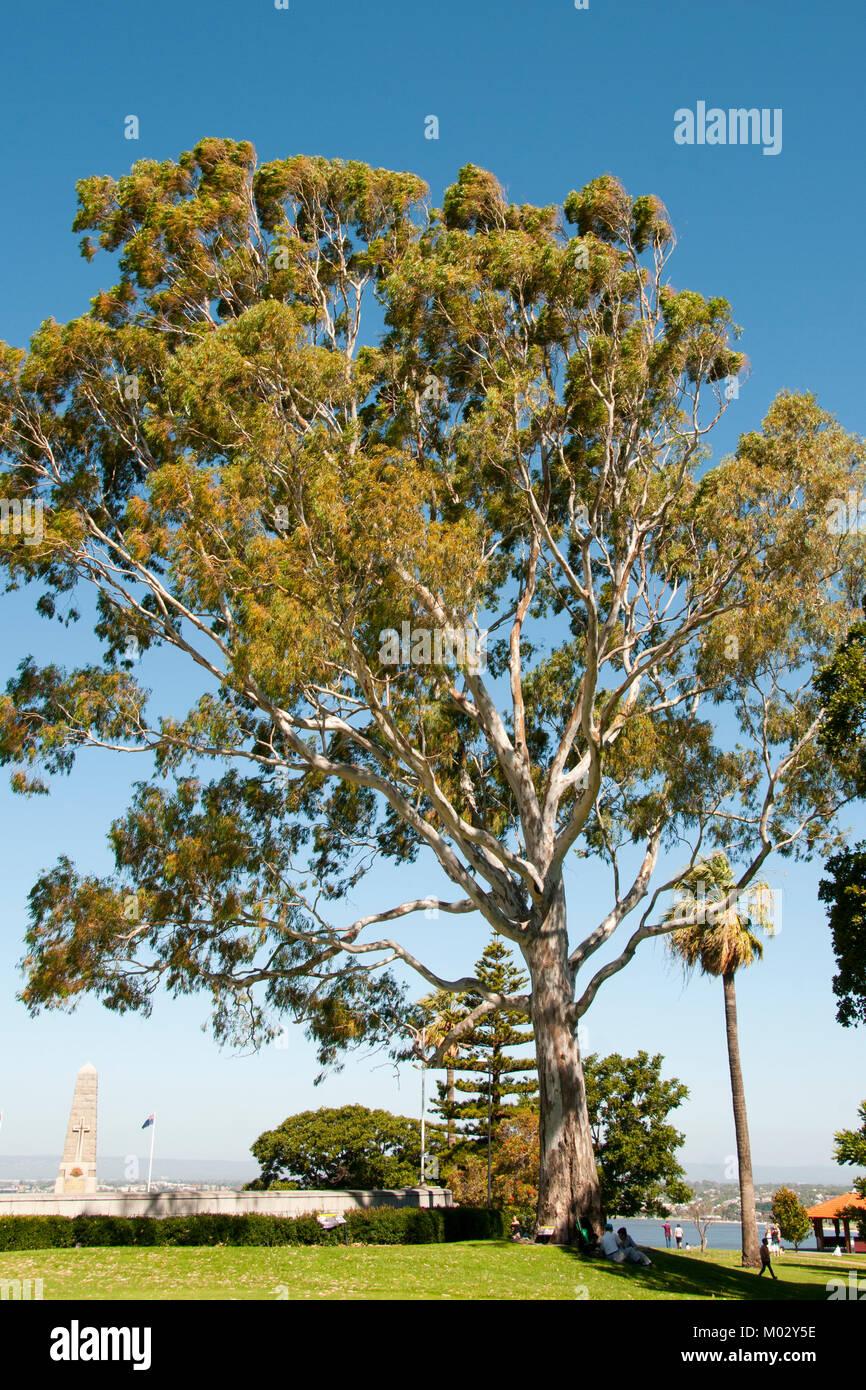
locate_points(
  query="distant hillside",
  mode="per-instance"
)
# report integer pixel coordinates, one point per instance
(234, 1172)
(43, 1167)
(765, 1173)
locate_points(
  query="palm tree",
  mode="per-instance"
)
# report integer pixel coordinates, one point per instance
(718, 936)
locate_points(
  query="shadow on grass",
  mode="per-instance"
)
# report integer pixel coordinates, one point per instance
(685, 1277)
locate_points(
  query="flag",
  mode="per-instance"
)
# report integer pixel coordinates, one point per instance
(148, 1121)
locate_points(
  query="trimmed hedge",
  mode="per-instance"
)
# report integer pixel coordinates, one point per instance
(366, 1226)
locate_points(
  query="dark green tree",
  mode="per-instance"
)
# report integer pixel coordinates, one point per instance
(483, 1066)
(844, 891)
(790, 1215)
(850, 1147)
(349, 1147)
(841, 686)
(635, 1146)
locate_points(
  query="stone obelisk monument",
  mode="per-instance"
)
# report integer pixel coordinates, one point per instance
(78, 1165)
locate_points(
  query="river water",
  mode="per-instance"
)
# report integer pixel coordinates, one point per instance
(723, 1235)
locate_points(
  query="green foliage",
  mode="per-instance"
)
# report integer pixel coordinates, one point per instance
(841, 685)
(350, 1147)
(627, 1100)
(850, 1147)
(366, 1226)
(628, 1105)
(474, 1223)
(36, 1232)
(844, 891)
(722, 938)
(790, 1216)
(513, 1166)
(856, 1215)
(395, 1226)
(635, 1146)
(483, 1066)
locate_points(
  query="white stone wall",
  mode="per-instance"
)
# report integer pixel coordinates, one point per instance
(232, 1203)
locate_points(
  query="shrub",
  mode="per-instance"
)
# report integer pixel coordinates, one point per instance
(395, 1226)
(36, 1232)
(474, 1223)
(366, 1226)
(103, 1230)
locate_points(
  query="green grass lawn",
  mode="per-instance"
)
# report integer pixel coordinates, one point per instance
(465, 1270)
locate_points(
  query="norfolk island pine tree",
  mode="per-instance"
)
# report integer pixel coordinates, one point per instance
(238, 476)
(481, 1057)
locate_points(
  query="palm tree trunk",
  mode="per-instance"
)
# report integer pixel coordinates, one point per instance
(748, 1215)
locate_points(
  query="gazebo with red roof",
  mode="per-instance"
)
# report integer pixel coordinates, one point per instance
(832, 1210)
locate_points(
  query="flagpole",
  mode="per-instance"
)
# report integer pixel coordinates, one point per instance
(150, 1164)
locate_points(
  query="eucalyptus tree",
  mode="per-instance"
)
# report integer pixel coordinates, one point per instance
(316, 441)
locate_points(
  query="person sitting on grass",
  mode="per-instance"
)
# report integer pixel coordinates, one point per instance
(632, 1253)
(610, 1246)
(586, 1238)
(621, 1249)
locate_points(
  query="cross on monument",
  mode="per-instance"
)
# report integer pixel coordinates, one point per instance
(78, 1165)
(80, 1129)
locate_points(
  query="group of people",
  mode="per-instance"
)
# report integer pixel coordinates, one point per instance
(620, 1248)
(677, 1235)
(770, 1245)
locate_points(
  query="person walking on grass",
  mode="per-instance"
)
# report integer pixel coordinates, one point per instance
(667, 1230)
(766, 1262)
(678, 1237)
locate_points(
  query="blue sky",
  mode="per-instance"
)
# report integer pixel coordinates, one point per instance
(547, 97)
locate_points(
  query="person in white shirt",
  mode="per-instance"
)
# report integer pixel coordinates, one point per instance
(610, 1246)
